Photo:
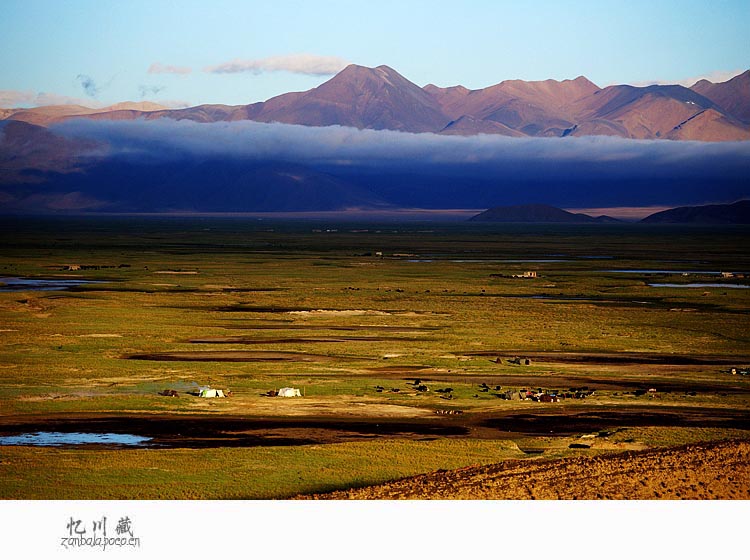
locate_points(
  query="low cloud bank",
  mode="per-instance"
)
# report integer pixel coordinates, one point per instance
(338, 146)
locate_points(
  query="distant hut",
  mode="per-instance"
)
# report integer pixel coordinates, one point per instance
(208, 393)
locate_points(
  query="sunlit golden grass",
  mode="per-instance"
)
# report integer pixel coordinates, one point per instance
(225, 473)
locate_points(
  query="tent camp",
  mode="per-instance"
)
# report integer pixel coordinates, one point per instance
(289, 392)
(211, 393)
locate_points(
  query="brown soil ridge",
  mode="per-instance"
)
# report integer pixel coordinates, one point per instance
(603, 358)
(303, 339)
(230, 356)
(719, 470)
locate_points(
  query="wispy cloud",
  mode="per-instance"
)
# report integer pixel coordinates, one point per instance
(15, 98)
(88, 84)
(144, 90)
(159, 68)
(310, 64)
(715, 77)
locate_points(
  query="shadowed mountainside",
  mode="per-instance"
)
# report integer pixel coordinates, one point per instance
(737, 213)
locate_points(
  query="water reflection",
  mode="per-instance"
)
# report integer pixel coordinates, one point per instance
(15, 284)
(53, 439)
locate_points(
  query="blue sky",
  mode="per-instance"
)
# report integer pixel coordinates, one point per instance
(55, 48)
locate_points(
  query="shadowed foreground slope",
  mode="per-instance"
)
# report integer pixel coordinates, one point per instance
(703, 471)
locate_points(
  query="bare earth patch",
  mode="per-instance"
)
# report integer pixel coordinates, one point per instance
(338, 312)
(301, 340)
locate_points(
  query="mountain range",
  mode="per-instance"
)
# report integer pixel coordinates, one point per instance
(537, 213)
(382, 99)
(333, 148)
(735, 213)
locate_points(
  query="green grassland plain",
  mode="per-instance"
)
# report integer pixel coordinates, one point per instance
(338, 310)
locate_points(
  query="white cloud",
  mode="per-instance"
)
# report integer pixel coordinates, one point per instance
(716, 77)
(17, 99)
(341, 146)
(309, 64)
(159, 68)
(430, 170)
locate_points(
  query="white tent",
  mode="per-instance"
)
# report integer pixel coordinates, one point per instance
(210, 393)
(289, 392)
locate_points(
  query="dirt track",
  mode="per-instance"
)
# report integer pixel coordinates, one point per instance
(704, 471)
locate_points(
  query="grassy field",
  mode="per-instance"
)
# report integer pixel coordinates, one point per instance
(352, 314)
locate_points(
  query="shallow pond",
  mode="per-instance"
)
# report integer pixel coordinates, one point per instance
(14, 284)
(53, 439)
(699, 285)
(489, 260)
(659, 271)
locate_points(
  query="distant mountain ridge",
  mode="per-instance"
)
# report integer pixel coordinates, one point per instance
(736, 213)
(382, 99)
(536, 213)
(733, 96)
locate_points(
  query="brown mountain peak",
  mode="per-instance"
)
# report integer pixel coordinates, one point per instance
(732, 96)
(584, 81)
(743, 77)
(353, 69)
(359, 70)
(456, 89)
(362, 97)
(363, 76)
(385, 68)
(701, 84)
